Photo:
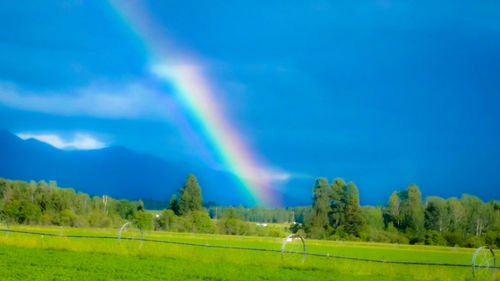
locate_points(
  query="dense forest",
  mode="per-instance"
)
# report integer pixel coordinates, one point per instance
(334, 214)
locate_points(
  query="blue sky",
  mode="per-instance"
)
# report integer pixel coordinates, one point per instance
(382, 93)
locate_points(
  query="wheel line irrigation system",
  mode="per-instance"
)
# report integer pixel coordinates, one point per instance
(283, 251)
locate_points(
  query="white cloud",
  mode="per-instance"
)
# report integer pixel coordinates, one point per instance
(100, 100)
(80, 141)
(272, 175)
(264, 175)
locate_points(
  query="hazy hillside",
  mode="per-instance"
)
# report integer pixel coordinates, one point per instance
(115, 171)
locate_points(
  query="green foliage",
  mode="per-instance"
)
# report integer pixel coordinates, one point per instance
(202, 222)
(33, 203)
(340, 233)
(263, 215)
(302, 214)
(373, 217)
(412, 213)
(190, 196)
(22, 211)
(98, 218)
(321, 208)
(455, 238)
(126, 209)
(353, 218)
(466, 222)
(492, 239)
(436, 214)
(337, 203)
(144, 220)
(232, 226)
(434, 237)
(334, 207)
(334, 214)
(167, 220)
(174, 205)
(456, 215)
(392, 212)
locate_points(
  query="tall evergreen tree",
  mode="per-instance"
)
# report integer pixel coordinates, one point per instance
(353, 216)
(191, 199)
(337, 202)
(321, 208)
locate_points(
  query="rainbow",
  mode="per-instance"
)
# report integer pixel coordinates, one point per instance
(196, 96)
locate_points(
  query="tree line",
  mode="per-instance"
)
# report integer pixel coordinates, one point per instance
(337, 214)
(334, 214)
(46, 203)
(254, 214)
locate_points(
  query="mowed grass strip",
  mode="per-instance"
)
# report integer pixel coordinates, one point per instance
(108, 257)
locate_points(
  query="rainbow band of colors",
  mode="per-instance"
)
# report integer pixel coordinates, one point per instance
(196, 96)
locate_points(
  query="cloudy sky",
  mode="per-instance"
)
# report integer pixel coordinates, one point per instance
(382, 93)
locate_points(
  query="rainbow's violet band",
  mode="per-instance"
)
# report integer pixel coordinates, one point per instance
(195, 95)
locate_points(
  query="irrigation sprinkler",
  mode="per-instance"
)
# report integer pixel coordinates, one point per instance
(123, 228)
(296, 245)
(484, 263)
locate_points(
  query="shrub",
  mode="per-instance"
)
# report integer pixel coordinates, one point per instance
(22, 211)
(433, 237)
(475, 241)
(167, 220)
(67, 217)
(455, 239)
(492, 239)
(144, 220)
(340, 234)
(98, 218)
(202, 222)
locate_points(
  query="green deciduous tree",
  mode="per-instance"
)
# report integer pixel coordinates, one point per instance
(412, 212)
(372, 216)
(456, 215)
(436, 214)
(478, 216)
(391, 212)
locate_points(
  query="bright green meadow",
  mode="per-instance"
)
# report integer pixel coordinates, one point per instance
(36, 257)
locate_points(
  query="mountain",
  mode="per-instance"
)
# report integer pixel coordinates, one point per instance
(122, 173)
(114, 171)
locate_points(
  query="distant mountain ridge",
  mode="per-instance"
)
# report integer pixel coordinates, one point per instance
(115, 171)
(122, 173)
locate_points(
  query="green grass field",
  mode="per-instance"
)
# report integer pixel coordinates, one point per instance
(34, 257)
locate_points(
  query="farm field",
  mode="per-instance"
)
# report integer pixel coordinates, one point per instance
(35, 257)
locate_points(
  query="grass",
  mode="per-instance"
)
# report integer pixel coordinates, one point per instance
(34, 257)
